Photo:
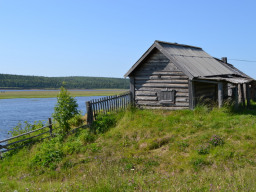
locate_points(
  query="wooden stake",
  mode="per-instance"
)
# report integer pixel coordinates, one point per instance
(248, 96)
(50, 125)
(220, 94)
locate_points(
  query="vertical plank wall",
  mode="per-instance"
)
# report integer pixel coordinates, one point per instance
(157, 74)
(208, 92)
(204, 91)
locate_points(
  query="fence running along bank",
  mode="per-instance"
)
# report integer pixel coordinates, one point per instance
(7, 145)
(106, 104)
(94, 107)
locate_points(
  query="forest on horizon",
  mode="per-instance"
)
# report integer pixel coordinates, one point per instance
(8, 81)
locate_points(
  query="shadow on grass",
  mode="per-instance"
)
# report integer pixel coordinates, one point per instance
(229, 106)
(245, 110)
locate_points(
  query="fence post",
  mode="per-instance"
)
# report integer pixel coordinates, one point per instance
(50, 125)
(89, 113)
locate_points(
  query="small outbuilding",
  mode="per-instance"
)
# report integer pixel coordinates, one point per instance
(176, 76)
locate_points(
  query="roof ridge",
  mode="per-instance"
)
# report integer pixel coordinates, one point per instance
(177, 44)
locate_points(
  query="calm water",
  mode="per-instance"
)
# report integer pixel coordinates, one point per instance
(13, 111)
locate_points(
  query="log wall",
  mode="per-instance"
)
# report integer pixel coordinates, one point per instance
(155, 75)
(205, 92)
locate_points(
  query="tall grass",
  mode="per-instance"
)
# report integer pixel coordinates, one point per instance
(207, 149)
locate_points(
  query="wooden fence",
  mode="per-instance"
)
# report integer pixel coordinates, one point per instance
(5, 144)
(106, 104)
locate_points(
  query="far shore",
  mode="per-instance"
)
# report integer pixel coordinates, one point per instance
(47, 93)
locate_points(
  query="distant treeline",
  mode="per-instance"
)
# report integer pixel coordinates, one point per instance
(39, 82)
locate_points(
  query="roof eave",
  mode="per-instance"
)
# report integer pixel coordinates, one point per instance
(140, 60)
(173, 61)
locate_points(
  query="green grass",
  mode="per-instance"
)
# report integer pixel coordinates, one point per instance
(47, 94)
(144, 150)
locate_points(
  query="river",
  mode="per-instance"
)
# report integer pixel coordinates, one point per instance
(14, 111)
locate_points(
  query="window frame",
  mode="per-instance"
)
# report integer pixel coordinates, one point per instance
(167, 99)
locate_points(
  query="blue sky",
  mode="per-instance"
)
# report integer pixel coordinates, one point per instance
(105, 38)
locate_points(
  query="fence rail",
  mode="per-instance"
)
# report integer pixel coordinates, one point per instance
(7, 146)
(106, 104)
(94, 107)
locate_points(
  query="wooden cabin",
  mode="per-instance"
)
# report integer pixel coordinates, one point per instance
(175, 76)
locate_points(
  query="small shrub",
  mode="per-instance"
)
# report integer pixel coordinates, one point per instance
(76, 121)
(203, 149)
(49, 154)
(24, 128)
(86, 136)
(216, 140)
(67, 164)
(72, 147)
(49, 158)
(198, 163)
(182, 145)
(65, 109)
(129, 166)
(93, 147)
(103, 123)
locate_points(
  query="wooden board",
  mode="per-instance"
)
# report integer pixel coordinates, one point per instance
(156, 76)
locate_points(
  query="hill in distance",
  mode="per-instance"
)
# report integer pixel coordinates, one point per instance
(8, 81)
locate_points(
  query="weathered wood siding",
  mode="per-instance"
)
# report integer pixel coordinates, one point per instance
(205, 92)
(155, 75)
(253, 91)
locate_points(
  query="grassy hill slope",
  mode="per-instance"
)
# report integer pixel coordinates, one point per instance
(143, 150)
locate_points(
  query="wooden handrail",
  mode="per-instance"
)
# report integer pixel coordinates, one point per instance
(23, 134)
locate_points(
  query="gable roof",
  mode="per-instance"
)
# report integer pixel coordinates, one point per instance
(193, 61)
(231, 67)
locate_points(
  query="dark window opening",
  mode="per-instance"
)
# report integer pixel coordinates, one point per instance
(167, 97)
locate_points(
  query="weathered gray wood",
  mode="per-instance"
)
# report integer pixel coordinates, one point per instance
(157, 103)
(158, 85)
(156, 77)
(191, 95)
(182, 99)
(180, 94)
(220, 94)
(132, 89)
(163, 108)
(253, 95)
(123, 100)
(205, 81)
(138, 73)
(145, 93)
(146, 98)
(239, 94)
(173, 60)
(236, 97)
(157, 89)
(23, 134)
(50, 125)
(107, 104)
(162, 81)
(9, 144)
(242, 94)
(203, 90)
(244, 89)
(89, 113)
(248, 95)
